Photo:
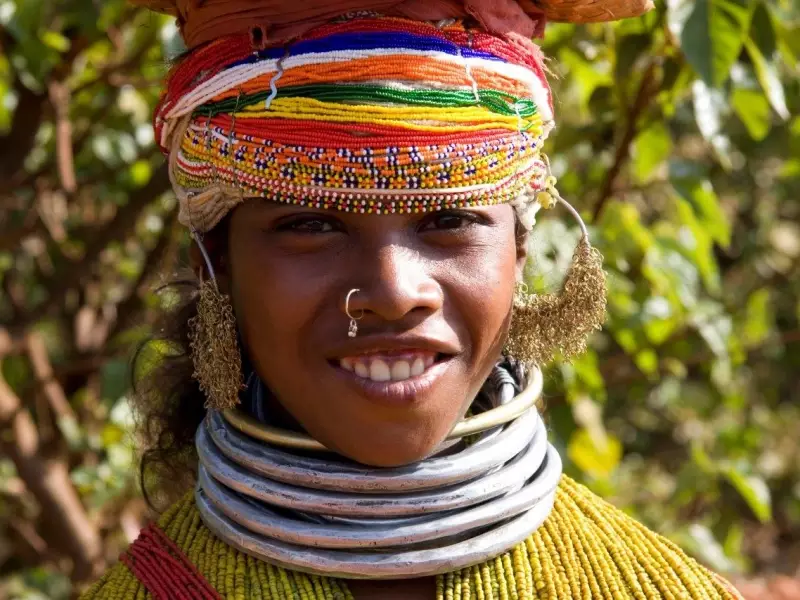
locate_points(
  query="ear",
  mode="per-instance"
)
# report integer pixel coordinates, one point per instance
(521, 245)
(217, 253)
(196, 261)
(522, 256)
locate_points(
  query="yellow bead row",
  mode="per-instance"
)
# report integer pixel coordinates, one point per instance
(302, 173)
(412, 117)
(587, 549)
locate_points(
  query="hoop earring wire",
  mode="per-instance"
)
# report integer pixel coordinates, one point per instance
(213, 341)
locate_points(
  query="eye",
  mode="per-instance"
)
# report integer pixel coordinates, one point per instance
(309, 224)
(449, 220)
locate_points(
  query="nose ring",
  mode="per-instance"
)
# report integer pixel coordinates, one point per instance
(353, 330)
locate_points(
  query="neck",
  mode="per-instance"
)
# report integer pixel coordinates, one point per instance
(326, 515)
(261, 404)
(422, 588)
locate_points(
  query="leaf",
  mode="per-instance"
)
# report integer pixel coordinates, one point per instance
(586, 77)
(597, 458)
(671, 274)
(767, 75)
(629, 49)
(695, 243)
(111, 434)
(705, 202)
(734, 542)
(788, 42)
(791, 169)
(677, 79)
(709, 548)
(754, 491)
(140, 172)
(752, 108)
(658, 319)
(587, 377)
(709, 109)
(714, 326)
(711, 34)
(763, 31)
(759, 319)
(54, 40)
(650, 149)
(114, 379)
(701, 458)
(647, 362)
(623, 232)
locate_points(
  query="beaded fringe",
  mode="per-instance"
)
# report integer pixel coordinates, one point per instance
(586, 549)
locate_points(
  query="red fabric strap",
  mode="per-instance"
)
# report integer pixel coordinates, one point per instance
(164, 570)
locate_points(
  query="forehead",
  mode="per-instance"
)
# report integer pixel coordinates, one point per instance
(271, 208)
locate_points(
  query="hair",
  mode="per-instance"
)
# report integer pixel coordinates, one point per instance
(167, 399)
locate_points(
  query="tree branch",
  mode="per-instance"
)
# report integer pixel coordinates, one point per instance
(115, 67)
(162, 253)
(617, 361)
(11, 238)
(647, 89)
(60, 100)
(43, 370)
(68, 525)
(18, 142)
(14, 292)
(34, 546)
(68, 276)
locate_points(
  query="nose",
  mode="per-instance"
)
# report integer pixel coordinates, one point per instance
(394, 283)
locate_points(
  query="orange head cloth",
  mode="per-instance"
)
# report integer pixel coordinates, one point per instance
(202, 21)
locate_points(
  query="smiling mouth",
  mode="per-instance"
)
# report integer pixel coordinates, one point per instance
(386, 367)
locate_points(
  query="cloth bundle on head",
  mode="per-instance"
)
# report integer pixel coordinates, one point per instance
(205, 20)
(358, 112)
(201, 21)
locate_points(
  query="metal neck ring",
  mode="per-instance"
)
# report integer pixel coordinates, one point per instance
(505, 413)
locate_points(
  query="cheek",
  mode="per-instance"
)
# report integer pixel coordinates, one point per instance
(275, 300)
(482, 288)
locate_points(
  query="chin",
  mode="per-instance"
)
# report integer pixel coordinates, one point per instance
(386, 446)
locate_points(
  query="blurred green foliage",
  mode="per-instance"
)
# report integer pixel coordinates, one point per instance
(677, 140)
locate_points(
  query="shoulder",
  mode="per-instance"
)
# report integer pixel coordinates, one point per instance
(588, 548)
(181, 558)
(118, 582)
(125, 580)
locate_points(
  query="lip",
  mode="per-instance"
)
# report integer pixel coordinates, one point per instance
(392, 344)
(396, 394)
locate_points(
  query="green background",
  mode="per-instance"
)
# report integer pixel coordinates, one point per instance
(677, 141)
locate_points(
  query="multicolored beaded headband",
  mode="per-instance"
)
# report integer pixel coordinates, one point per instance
(369, 114)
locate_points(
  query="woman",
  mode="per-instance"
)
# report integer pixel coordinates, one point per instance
(360, 179)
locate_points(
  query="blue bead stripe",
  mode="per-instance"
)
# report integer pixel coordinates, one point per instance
(368, 41)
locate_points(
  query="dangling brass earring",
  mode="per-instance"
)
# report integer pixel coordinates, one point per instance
(546, 325)
(213, 343)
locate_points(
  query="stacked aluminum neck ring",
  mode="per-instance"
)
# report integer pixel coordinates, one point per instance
(329, 516)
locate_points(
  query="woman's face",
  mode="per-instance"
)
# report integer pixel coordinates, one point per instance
(435, 292)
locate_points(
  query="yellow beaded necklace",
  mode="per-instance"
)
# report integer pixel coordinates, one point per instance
(586, 549)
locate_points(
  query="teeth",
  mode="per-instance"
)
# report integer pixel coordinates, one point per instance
(383, 370)
(418, 368)
(379, 371)
(401, 370)
(361, 369)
